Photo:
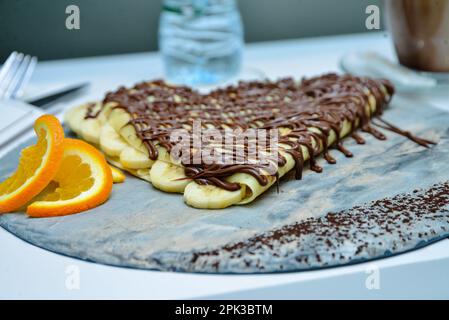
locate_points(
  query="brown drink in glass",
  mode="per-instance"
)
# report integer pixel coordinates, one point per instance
(420, 30)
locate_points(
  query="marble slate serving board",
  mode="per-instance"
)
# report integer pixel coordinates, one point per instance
(326, 219)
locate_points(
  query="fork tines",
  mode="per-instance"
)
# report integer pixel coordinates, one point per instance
(15, 74)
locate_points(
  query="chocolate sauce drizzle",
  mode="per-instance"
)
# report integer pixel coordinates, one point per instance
(325, 103)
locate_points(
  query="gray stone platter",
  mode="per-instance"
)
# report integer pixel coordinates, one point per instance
(292, 230)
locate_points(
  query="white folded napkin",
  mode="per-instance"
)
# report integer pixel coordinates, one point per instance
(15, 118)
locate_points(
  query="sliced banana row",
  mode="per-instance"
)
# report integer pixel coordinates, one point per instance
(110, 141)
(117, 138)
(113, 134)
(200, 196)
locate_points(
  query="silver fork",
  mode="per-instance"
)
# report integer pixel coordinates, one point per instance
(15, 74)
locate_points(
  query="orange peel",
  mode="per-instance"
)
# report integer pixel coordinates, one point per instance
(83, 181)
(38, 164)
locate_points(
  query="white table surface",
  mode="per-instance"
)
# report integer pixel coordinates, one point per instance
(30, 272)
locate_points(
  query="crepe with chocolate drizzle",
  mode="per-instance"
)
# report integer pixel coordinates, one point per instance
(311, 116)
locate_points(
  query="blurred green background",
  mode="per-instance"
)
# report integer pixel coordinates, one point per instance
(117, 26)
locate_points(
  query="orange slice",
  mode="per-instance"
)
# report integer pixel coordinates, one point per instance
(37, 165)
(83, 181)
(117, 175)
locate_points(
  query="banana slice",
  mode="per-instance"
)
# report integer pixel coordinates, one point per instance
(164, 155)
(99, 109)
(128, 133)
(211, 197)
(131, 158)
(117, 175)
(105, 110)
(253, 187)
(74, 117)
(118, 118)
(165, 176)
(139, 173)
(143, 174)
(110, 142)
(115, 161)
(90, 130)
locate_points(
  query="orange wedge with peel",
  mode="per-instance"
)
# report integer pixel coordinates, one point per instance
(83, 181)
(38, 164)
(117, 175)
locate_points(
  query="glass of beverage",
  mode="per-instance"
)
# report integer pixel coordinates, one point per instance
(420, 30)
(201, 41)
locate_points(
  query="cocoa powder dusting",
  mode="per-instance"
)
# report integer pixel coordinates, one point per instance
(338, 229)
